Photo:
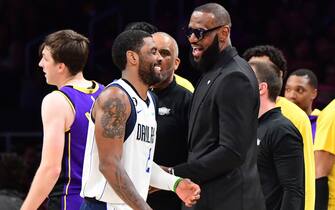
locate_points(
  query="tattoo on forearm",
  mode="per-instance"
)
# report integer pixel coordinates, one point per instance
(125, 189)
(114, 118)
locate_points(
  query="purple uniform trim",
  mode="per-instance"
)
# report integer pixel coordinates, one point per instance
(313, 119)
(68, 186)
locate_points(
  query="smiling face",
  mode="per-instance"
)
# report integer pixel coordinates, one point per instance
(207, 48)
(167, 48)
(149, 62)
(201, 20)
(49, 66)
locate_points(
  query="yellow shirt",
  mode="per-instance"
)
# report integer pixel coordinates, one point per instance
(315, 112)
(301, 121)
(325, 140)
(184, 83)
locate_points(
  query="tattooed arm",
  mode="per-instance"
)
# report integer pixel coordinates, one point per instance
(111, 112)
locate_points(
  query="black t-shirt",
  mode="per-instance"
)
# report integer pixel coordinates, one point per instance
(172, 125)
(280, 162)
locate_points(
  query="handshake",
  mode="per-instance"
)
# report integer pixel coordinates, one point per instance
(187, 191)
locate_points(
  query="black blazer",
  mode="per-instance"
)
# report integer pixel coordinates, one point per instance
(222, 137)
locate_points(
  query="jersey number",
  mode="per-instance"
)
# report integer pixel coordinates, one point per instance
(147, 166)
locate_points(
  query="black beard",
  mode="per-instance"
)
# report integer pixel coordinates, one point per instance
(208, 58)
(147, 74)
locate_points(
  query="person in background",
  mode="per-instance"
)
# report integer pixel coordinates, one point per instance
(324, 147)
(280, 147)
(64, 117)
(172, 118)
(302, 88)
(269, 53)
(151, 29)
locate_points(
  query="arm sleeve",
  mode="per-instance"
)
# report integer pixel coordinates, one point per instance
(236, 105)
(161, 179)
(289, 162)
(321, 193)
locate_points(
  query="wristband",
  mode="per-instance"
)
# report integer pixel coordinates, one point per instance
(162, 179)
(176, 184)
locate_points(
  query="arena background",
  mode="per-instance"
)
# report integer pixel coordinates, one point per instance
(304, 30)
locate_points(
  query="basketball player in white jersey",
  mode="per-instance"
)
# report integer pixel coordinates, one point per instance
(118, 165)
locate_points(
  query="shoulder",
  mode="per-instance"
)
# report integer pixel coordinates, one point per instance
(56, 107)
(324, 137)
(292, 112)
(237, 82)
(328, 113)
(280, 129)
(239, 68)
(285, 126)
(56, 99)
(277, 122)
(326, 120)
(315, 112)
(112, 97)
(180, 92)
(184, 83)
(241, 65)
(112, 93)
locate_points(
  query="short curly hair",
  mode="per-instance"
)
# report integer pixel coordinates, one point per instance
(144, 26)
(127, 40)
(275, 55)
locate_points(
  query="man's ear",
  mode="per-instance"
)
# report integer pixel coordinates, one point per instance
(61, 67)
(132, 57)
(176, 64)
(263, 88)
(223, 34)
(315, 93)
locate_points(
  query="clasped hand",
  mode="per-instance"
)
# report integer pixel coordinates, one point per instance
(188, 192)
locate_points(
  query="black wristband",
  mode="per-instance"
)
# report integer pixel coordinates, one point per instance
(321, 193)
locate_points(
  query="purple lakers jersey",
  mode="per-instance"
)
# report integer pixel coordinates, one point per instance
(67, 189)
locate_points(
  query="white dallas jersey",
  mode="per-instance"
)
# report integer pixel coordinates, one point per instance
(137, 154)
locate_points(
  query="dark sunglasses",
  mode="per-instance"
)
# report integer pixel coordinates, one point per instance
(199, 32)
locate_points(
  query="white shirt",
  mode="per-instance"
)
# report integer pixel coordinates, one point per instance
(137, 154)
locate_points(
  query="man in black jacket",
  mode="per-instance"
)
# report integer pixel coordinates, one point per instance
(280, 147)
(223, 118)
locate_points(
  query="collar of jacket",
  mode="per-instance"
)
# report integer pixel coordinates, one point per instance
(225, 56)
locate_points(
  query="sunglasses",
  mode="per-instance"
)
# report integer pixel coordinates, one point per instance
(199, 32)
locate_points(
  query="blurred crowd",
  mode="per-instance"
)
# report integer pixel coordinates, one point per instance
(304, 30)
